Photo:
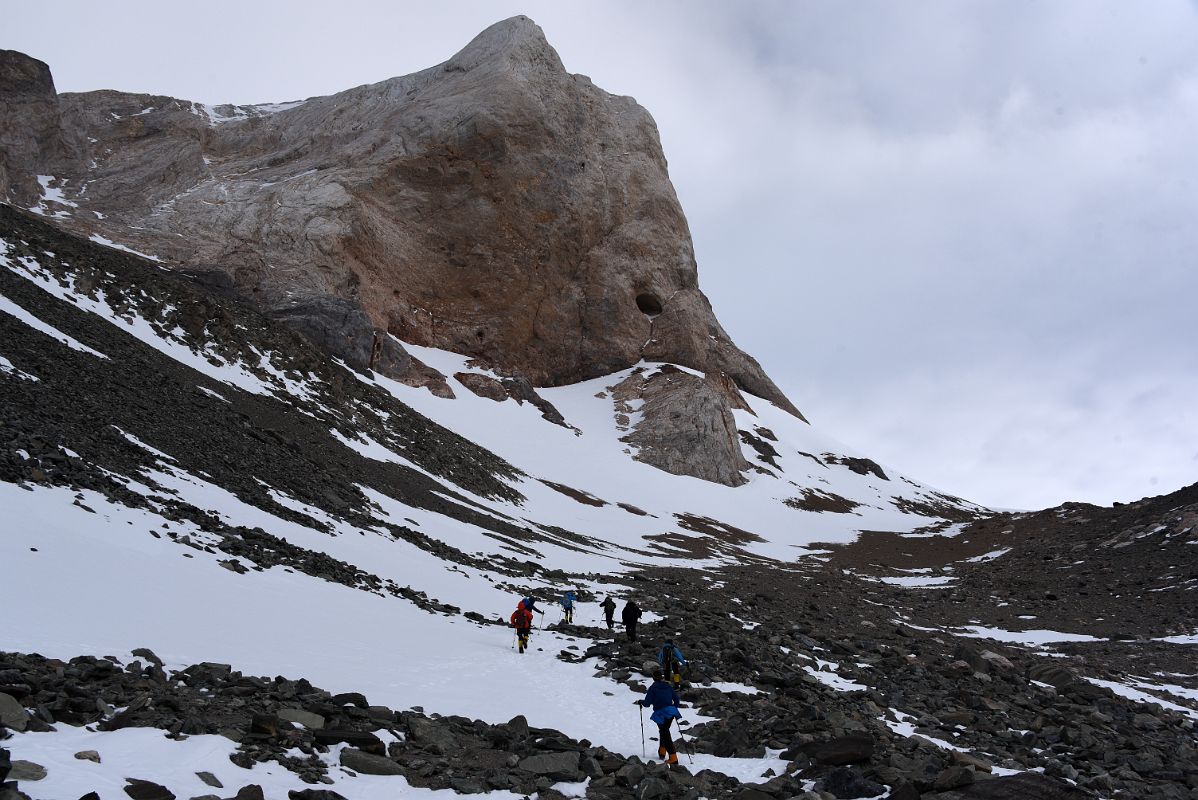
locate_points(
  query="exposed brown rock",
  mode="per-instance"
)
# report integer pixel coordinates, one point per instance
(31, 137)
(518, 388)
(494, 205)
(684, 424)
(482, 385)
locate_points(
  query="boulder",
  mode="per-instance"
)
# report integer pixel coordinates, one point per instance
(356, 699)
(12, 713)
(26, 771)
(251, 792)
(210, 779)
(431, 735)
(651, 787)
(518, 726)
(1053, 674)
(841, 750)
(369, 763)
(308, 719)
(560, 766)
(952, 778)
(265, 725)
(843, 782)
(314, 794)
(147, 790)
(340, 328)
(148, 655)
(362, 740)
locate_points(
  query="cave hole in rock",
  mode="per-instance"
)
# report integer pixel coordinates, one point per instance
(648, 304)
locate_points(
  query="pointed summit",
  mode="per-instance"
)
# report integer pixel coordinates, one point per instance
(516, 43)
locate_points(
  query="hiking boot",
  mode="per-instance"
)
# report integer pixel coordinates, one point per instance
(661, 752)
(673, 759)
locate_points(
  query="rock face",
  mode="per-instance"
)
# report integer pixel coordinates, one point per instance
(31, 136)
(684, 424)
(494, 205)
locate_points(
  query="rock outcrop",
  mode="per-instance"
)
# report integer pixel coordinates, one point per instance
(683, 424)
(495, 205)
(31, 132)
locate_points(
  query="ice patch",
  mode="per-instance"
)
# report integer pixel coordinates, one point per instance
(993, 554)
(1033, 637)
(917, 582)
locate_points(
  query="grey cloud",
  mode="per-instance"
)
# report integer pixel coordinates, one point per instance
(960, 235)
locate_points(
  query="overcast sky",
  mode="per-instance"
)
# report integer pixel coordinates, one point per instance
(960, 235)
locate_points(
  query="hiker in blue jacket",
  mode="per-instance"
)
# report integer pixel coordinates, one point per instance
(665, 701)
(672, 662)
(529, 604)
(567, 602)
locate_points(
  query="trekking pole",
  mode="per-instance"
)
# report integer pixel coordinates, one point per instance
(689, 751)
(643, 754)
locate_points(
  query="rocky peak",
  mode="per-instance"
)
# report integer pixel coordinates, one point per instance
(494, 205)
(516, 44)
(24, 75)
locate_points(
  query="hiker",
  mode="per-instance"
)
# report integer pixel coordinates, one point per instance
(665, 701)
(567, 602)
(631, 615)
(530, 604)
(672, 662)
(522, 622)
(609, 610)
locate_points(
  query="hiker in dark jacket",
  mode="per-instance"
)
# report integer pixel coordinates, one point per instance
(672, 662)
(609, 609)
(567, 601)
(529, 603)
(631, 615)
(665, 701)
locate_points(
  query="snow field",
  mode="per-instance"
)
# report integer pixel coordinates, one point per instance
(146, 754)
(129, 589)
(594, 460)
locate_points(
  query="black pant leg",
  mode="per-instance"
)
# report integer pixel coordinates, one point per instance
(664, 738)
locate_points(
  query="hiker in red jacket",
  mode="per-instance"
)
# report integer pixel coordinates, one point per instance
(522, 622)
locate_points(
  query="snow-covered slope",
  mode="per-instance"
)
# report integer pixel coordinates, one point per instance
(177, 473)
(126, 512)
